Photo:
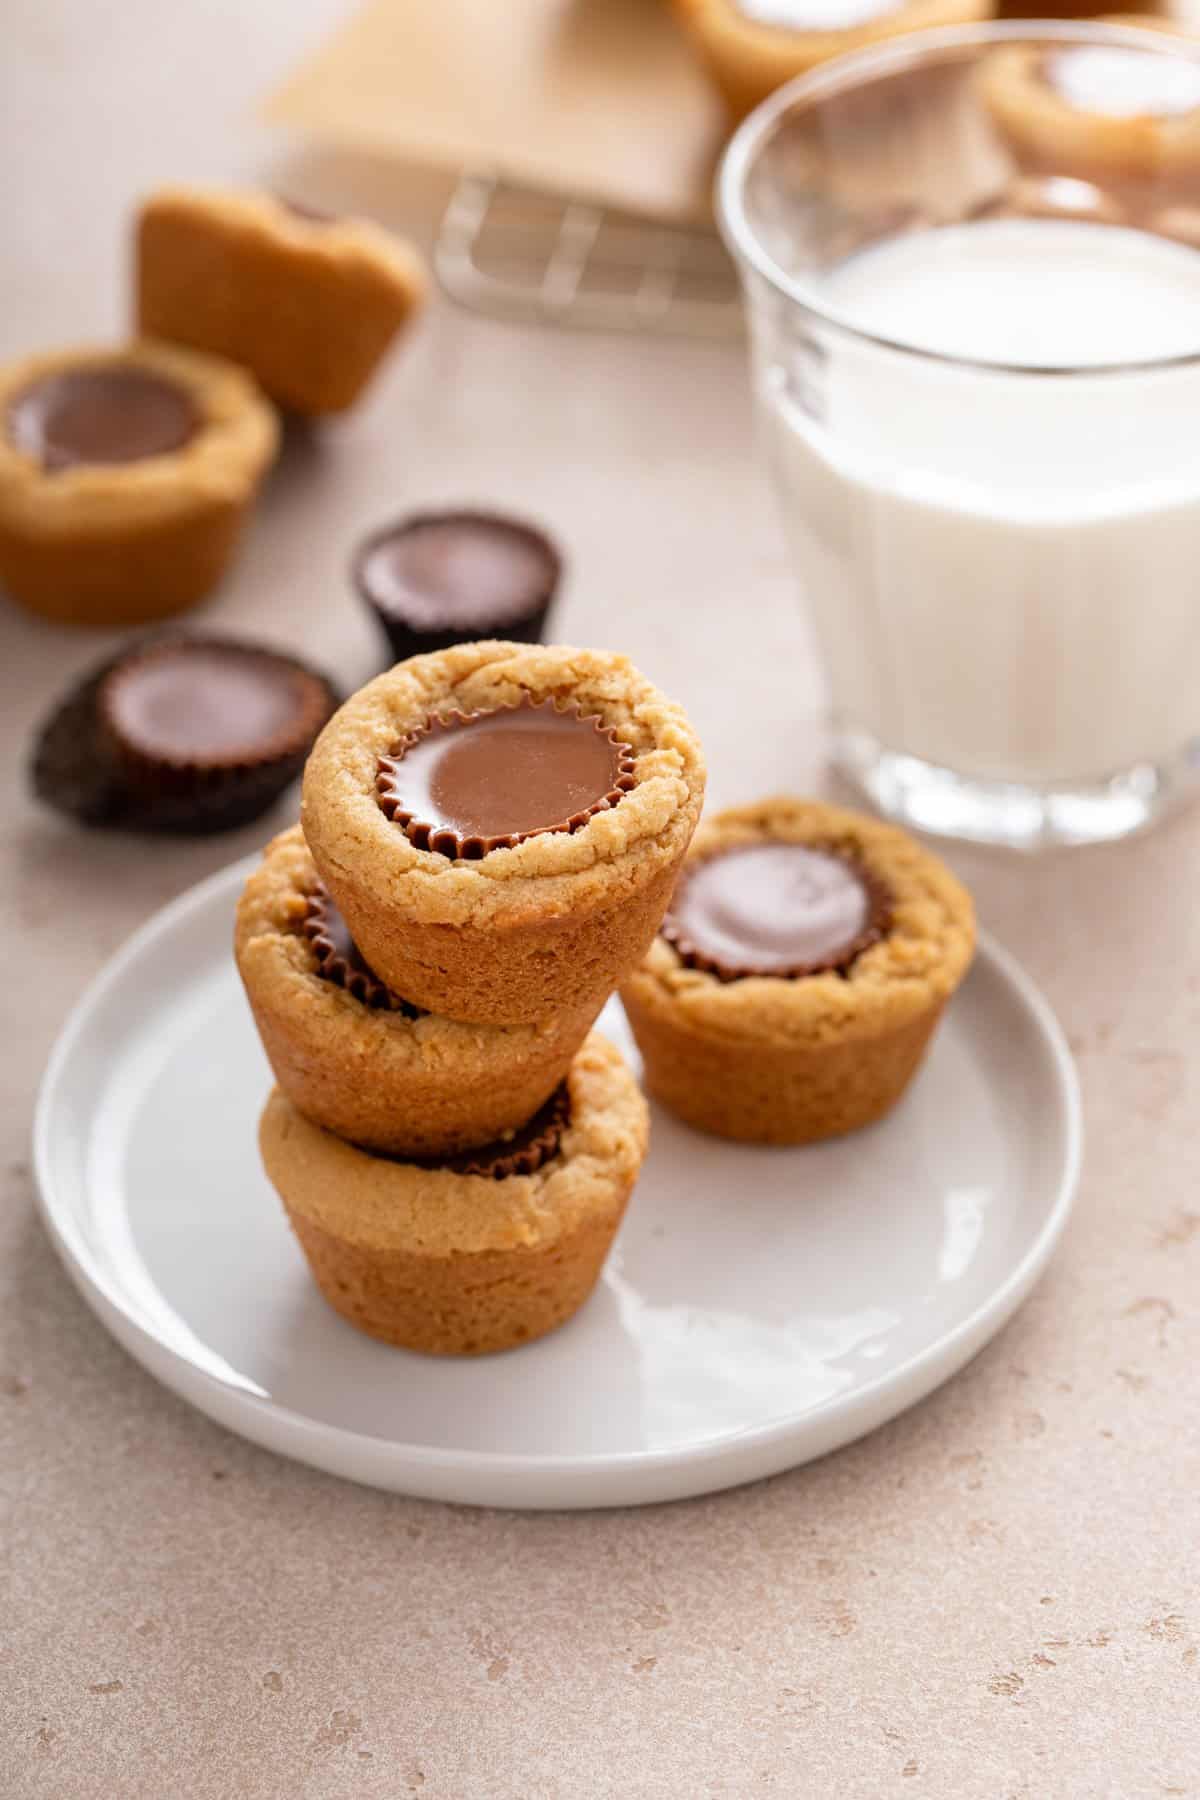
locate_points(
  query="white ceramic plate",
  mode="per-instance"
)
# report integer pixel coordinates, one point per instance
(761, 1306)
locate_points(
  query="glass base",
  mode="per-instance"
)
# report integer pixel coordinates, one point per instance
(1020, 817)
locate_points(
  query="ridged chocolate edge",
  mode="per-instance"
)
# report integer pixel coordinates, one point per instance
(332, 966)
(879, 923)
(424, 835)
(496, 1161)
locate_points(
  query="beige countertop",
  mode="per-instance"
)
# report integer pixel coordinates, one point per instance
(995, 1596)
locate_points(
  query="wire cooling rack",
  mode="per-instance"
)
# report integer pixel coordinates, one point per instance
(520, 253)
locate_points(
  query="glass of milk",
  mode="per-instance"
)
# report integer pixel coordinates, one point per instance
(978, 370)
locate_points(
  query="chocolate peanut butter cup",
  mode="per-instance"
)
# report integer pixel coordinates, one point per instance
(184, 734)
(855, 937)
(112, 413)
(444, 578)
(339, 959)
(471, 783)
(777, 909)
(195, 711)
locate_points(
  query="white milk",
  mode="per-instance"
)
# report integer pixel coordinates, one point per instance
(1004, 570)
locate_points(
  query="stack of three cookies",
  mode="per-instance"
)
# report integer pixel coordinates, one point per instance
(490, 838)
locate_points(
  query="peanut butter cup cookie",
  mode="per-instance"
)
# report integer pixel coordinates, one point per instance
(354, 1057)
(476, 1253)
(752, 47)
(307, 301)
(800, 973)
(501, 825)
(125, 479)
(1112, 112)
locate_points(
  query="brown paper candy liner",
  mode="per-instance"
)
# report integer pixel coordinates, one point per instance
(71, 768)
(427, 834)
(339, 959)
(876, 928)
(521, 1152)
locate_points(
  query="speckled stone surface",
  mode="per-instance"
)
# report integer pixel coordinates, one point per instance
(995, 1598)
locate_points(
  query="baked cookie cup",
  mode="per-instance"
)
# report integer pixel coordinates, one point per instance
(800, 974)
(752, 47)
(309, 302)
(501, 825)
(458, 1261)
(1117, 113)
(355, 1058)
(126, 476)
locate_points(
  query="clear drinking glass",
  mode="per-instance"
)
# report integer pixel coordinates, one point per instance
(975, 316)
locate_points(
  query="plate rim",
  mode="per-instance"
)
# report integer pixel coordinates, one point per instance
(951, 1349)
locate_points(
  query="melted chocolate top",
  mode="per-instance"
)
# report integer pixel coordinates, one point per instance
(775, 908)
(111, 414)
(212, 704)
(477, 782)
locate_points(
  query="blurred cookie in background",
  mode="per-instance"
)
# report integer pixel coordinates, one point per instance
(752, 47)
(1116, 112)
(310, 303)
(126, 477)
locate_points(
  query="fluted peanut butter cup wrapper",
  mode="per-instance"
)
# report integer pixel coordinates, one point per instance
(340, 960)
(360, 1060)
(520, 1152)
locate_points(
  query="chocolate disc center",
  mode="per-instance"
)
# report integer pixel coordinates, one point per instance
(500, 777)
(117, 414)
(773, 909)
(1123, 84)
(458, 571)
(205, 704)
